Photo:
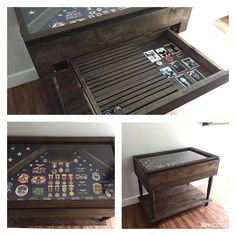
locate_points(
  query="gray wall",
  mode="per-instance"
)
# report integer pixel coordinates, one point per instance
(20, 68)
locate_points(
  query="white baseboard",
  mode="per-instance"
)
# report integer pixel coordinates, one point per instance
(21, 77)
(129, 201)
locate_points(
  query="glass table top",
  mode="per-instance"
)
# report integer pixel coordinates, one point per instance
(40, 19)
(60, 172)
(168, 160)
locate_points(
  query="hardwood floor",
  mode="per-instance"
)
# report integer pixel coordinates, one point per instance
(29, 98)
(110, 224)
(211, 216)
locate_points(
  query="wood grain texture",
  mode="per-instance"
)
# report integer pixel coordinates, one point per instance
(29, 98)
(212, 216)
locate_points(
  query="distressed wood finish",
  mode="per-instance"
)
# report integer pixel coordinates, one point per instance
(94, 67)
(169, 191)
(28, 213)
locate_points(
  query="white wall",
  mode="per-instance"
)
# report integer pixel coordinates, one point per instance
(140, 138)
(60, 129)
(20, 68)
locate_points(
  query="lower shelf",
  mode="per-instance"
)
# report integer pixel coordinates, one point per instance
(173, 201)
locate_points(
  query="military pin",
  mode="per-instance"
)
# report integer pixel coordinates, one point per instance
(23, 178)
(60, 164)
(159, 63)
(50, 176)
(96, 176)
(72, 194)
(70, 177)
(97, 188)
(50, 182)
(21, 190)
(54, 171)
(57, 182)
(67, 170)
(169, 58)
(57, 176)
(64, 194)
(57, 194)
(76, 160)
(63, 177)
(71, 187)
(64, 188)
(71, 182)
(57, 188)
(54, 165)
(50, 188)
(60, 170)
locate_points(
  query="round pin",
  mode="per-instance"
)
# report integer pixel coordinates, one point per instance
(159, 63)
(67, 170)
(76, 160)
(64, 194)
(71, 194)
(54, 171)
(117, 109)
(60, 170)
(21, 190)
(169, 58)
(57, 194)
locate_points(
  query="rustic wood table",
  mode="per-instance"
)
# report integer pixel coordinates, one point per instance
(167, 175)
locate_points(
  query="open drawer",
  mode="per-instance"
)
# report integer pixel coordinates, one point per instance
(152, 74)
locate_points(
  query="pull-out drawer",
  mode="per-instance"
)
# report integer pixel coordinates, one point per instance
(128, 79)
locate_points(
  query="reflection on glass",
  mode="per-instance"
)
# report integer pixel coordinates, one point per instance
(39, 19)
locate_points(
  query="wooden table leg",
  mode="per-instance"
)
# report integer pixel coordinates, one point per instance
(153, 204)
(209, 189)
(140, 188)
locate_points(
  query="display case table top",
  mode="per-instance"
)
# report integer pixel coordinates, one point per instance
(128, 61)
(60, 171)
(167, 176)
(60, 181)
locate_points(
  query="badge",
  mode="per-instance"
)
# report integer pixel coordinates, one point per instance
(196, 75)
(96, 176)
(190, 63)
(64, 194)
(152, 56)
(54, 171)
(162, 52)
(76, 160)
(70, 177)
(71, 194)
(71, 188)
(39, 169)
(38, 192)
(39, 179)
(63, 177)
(167, 71)
(21, 190)
(50, 188)
(81, 176)
(64, 188)
(97, 188)
(172, 48)
(67, 170)
(50, 177)
(23, 178)
(67, 164)
(57, 176)
(54, 165)
(57, 194)
(184, 80)
(57, 188)
(50, 182)
(60, 170)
